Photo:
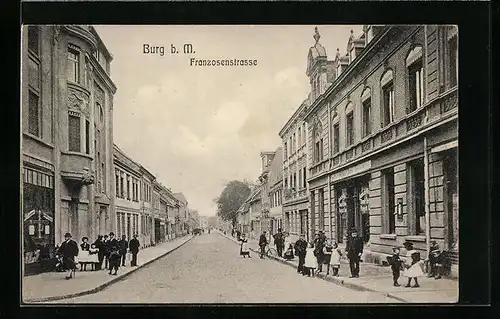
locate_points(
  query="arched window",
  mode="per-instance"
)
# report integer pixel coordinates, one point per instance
(415, 69)
(318, 141)
(366, 103)
(349, 111)
(386, 83)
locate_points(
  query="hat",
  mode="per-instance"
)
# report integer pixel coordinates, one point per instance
(67, 235)
(407, 244)
(111, 234)
(83, 238)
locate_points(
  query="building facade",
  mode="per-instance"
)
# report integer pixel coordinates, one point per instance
(67, 138)
(383, 140)
(183, 213)
(295, 172)
(275, 191)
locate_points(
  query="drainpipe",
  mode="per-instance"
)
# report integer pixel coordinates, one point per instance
(426, 196)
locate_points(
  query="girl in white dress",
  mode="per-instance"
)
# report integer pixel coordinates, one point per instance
(413, 265)
(244, 250)
(335, 259)
(311, 263)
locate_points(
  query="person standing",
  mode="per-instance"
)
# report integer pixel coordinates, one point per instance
(300, 251)
(279, 242)
(244, 251)
(335, 259)
(84, 258)
(319, 243)
(311, 262)
(106, 251)
(68, 251)
(354, 250)
(134, 250)
(123, 246)
(327, 255)
(99, 244)
(262, 244)
(113, 254)
(396, 265)
(413, 265)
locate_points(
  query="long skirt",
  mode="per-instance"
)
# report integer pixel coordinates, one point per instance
(244, 251)
(414, 271)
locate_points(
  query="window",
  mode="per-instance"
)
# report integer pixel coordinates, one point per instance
(388, 201)
(350, 129)
(285, 150)
(122, 195)
(33, 114)
(74, 133)
(117, 183)
(87, 137)
(33, 39)
(369, 34)
(416, 196)
(291, 146)
(294, 143)
(286, 182)
(73, 65)
(388, 103)
(300, 137)
(453, 59)
(295, 181)
(305, 177)
(415, 78)
(367, 127)
(321, 211)
(336, 138)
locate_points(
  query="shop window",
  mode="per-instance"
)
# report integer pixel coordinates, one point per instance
(389, 224)
(73, 65)
(33, 114)
(453, 59)
(74, 133)
(33, 39)
(350, 129)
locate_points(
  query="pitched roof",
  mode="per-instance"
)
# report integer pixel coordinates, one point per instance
(181, 197)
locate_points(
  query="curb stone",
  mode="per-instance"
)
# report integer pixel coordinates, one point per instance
(324, 277)
(106, 284)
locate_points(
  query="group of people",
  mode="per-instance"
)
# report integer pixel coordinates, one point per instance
(106, 249)
(323, 252)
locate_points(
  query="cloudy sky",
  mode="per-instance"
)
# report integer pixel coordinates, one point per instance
(196, 128)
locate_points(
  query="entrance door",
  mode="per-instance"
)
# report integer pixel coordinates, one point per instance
(351, 210)
(451, 190)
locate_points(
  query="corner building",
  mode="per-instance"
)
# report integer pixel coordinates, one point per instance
(383, 139)
(67, 138)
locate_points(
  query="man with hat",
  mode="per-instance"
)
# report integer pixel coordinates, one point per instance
(134, 249)
(300, 251)
(68, 251)
(114, 254)
(354, 250)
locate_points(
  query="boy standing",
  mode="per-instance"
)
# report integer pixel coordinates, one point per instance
(396, 264)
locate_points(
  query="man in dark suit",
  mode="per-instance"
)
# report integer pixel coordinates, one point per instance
(279, 241)
(99, 244)
(134, 249)
(113, 254)
(68, 251)
(105, 242)
(300, 251)
(123, 244)
(262, 244)
(354, 250)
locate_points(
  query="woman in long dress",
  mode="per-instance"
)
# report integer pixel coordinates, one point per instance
(244, 250)
(413, 265)
(83, 256)
(311, 263)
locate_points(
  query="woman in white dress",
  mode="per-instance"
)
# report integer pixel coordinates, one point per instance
(311, 263)
(244, 250)
(413, 265)
(288, 242)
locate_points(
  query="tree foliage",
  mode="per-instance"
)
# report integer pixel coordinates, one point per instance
(230, 200)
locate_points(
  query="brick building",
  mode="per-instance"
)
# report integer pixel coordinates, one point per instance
(67, 138)
(383, 138)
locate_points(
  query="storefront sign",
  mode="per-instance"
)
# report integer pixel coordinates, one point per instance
(351, 171)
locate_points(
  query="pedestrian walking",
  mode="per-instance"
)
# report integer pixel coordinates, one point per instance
(244, 250)
(134, 250)
(396, 265)
(67, 253)
(123, 246)
(413, 265)
(335, 259)
(262, 244)
(279, 242)
(311, 262)
(354, 250)
(99, 244)
(300, 251)
(327, 255)
(113, 254)
(84, 255)
(106, 251)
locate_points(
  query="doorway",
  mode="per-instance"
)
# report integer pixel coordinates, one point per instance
(450, 169)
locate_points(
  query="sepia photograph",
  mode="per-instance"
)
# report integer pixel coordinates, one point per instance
(239, 164)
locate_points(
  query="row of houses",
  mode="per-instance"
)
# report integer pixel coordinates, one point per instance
(373, 147)
(74, 178)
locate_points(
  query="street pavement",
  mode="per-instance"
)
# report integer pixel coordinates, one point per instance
(208, 269)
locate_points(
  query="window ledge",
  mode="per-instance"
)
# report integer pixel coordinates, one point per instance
(38, 139)
(418, 238)
(388, 236)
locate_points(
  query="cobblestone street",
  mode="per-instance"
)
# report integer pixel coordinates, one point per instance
(208, 269)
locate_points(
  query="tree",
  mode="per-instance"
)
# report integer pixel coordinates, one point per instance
(230, 200)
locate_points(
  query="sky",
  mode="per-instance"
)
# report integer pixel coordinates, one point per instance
(197, 128)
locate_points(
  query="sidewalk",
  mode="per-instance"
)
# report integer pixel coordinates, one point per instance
(53, 286)
(379, 279)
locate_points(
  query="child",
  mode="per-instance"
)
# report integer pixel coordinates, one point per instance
(311, 262)
(396, 265)
(93, 255)
(413, 265)
(335, 259)
(327, 255)
(289, 253)
(244, 251)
